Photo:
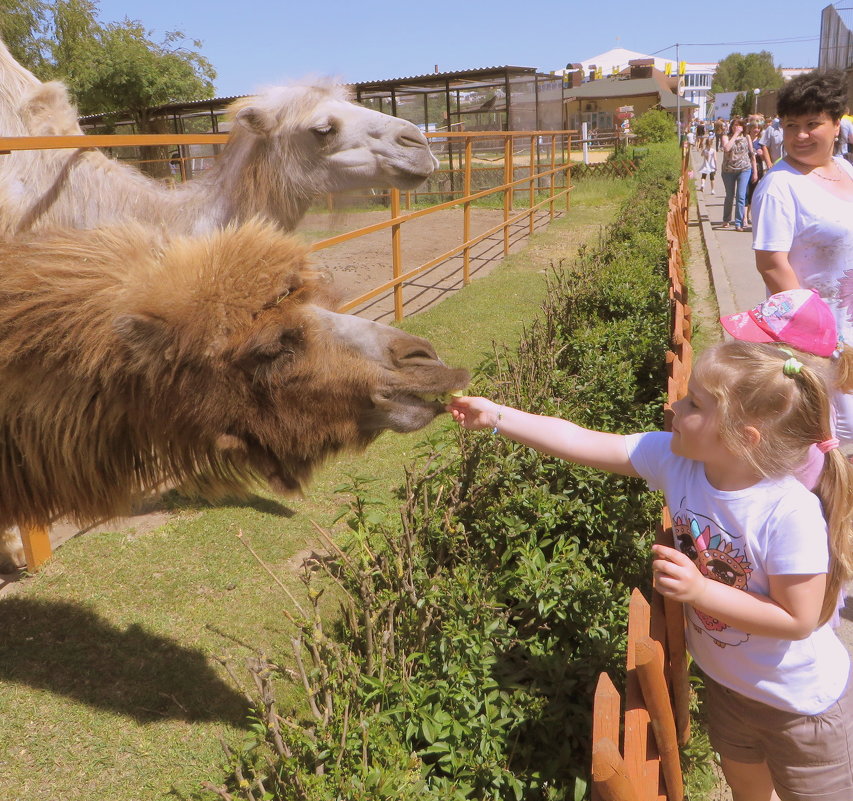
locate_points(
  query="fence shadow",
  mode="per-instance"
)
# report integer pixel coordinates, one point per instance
(69, 650)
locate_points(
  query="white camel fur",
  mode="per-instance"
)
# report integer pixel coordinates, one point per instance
(287, 145)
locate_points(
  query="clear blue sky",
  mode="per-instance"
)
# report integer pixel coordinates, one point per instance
(254, 43)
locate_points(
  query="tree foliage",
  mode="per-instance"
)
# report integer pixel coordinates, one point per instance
(742, 105)
(654, 125)
(739, 72)
(123, 70)
(112, 67)
(22, 28)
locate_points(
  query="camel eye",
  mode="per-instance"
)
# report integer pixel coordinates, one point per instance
(324, 130)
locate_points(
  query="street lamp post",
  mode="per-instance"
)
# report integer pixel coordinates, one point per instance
(756, 92)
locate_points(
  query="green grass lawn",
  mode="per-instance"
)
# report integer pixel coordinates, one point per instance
(110, 682)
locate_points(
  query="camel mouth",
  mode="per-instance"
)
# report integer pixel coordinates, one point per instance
(442, 398)
(435, 399)
(409, 179)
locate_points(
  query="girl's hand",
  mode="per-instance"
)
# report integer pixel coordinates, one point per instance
(675, 575)
(474, 413)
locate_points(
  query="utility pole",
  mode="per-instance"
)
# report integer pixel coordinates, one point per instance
(677, 95)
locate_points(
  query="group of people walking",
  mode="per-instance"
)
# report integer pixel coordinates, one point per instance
(756, 470)
(747, 150)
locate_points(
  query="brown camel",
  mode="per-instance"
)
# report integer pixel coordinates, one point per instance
(129, 359)
(287, 145)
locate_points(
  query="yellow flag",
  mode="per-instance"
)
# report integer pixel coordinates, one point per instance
(668, 68)
(682, 67)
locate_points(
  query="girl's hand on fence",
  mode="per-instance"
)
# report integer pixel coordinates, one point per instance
(474, 413)
(675, 575)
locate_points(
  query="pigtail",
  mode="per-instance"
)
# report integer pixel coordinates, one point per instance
(835, 484)
(842, 361)
(835, 490)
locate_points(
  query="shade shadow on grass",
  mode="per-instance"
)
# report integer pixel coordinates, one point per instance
(173, 501)
(68, 650)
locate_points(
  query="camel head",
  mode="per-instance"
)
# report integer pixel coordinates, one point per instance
(130, 359)
(339, 144)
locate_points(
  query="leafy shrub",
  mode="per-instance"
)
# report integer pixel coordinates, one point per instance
(654, 125)
(473, 631)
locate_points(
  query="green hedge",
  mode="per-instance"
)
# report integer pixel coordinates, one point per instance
(473, 630)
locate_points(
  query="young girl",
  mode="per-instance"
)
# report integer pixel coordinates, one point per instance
(757, 566)
(709, 165)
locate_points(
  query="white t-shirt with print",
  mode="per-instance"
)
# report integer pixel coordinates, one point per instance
(793, 213)
(775, 527)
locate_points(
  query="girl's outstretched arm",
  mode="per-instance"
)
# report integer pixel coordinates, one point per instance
(550, 435)
(790, 612)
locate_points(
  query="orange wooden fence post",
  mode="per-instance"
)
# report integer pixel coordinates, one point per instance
(36, 542)
(606, 719)
(609, 773)
(640, 759)
(656, 695)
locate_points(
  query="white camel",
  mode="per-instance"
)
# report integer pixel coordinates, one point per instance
(15, 83)
(287, 145)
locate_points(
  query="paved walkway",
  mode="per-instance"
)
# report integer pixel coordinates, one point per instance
(738, 287)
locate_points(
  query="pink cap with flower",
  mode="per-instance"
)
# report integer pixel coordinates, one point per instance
(796, 317)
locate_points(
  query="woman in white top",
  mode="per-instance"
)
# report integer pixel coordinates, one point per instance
(803, 209)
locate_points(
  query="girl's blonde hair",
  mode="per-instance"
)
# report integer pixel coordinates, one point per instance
(791, 410)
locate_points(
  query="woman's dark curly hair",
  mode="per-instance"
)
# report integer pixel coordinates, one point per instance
(812, 93)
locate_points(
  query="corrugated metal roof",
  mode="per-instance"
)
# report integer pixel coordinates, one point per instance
(458, 79)
(215, 102)
(451, 74)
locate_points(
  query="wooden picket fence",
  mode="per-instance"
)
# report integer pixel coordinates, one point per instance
(654, 719)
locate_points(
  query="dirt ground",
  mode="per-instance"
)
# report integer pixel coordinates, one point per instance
(358, 265)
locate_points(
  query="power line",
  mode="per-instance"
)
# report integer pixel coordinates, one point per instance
(790, 40)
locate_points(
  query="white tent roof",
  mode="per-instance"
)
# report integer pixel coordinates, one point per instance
(619, 58)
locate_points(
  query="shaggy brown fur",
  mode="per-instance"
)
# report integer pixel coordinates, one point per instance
(128, 359)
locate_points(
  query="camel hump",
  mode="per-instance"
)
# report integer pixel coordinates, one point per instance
(48, 111)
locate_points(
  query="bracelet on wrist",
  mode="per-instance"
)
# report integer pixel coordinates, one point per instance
(500, 417)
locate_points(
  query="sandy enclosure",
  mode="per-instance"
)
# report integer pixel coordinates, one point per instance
(361, 264)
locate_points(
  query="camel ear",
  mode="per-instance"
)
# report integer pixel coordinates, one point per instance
(144, 334)
(257, 120)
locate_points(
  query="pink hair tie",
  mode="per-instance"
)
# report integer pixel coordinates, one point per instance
(827, 445)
